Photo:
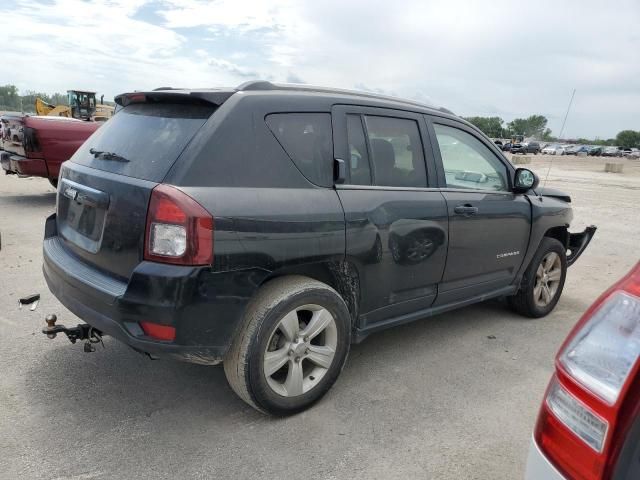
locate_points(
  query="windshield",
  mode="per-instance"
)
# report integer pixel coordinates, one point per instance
(150, 137)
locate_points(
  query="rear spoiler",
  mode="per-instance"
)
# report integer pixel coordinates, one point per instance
(167, 95)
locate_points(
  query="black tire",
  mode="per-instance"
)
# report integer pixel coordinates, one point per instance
(54, 182)
(523, 301)
(244, 363)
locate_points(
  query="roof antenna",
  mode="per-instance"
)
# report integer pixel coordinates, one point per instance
(560, 136)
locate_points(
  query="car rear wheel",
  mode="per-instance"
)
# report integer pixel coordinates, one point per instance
(543, 281)
(292, 346)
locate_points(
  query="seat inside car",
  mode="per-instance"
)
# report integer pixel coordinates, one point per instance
(384, 160)
(387, 173)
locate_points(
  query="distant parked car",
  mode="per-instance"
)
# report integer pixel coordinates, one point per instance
(498, 142)
(577, 150)
(596, 151)
(570, 150)
(633, 153)
(589, 422)
(43, 144)
(611, 152)
(531, 147)
(506, 147)
(553, 150)
(519, 148)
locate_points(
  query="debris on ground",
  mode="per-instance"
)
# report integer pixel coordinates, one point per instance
(32, 300)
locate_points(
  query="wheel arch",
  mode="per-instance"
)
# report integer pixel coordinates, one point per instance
(342, 276)
(560, 233)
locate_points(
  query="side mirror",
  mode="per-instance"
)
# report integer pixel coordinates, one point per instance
(524, 180)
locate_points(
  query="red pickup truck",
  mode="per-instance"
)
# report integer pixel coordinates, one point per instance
(36, 145)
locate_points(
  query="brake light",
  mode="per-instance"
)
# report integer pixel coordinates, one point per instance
(130, 98)
(601, 355)
(159, 332)
(179, 230)
(584, 418)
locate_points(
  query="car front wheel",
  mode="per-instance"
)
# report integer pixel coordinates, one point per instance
(543, 281)
(292, 346)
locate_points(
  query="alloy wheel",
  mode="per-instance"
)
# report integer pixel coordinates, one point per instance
(300, 350)
(548, 277)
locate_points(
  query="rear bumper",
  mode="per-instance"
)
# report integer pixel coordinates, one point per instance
(205, 307)
(539, 467)
(23, 166)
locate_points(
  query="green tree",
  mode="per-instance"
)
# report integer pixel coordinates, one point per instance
(533, 126)
(517, 126)
(628, 139)
(9, 98)
(490, 126)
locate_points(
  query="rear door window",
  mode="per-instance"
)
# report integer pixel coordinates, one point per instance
(308, 141)
(396, 152)
(143, 140)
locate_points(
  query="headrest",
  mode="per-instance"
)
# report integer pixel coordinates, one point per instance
(383, 152)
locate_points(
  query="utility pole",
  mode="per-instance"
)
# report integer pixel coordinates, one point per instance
(566, 115)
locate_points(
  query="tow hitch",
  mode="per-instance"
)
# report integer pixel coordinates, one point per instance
(82, 331)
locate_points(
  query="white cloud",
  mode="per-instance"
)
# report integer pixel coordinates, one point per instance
(232, 67)
(477, 58)
(243, 15)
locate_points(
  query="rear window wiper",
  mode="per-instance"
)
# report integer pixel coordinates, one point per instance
(107, 155)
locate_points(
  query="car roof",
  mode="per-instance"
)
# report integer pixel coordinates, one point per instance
(219, 95)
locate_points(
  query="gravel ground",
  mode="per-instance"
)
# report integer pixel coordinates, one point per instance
(433, 399)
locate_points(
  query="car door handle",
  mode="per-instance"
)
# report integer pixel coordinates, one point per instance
(466, 209)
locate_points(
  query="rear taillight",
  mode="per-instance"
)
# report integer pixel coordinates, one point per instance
(581, 427)
(179, 230)
(602, 353)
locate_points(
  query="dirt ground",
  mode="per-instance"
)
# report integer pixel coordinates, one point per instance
(434, 399)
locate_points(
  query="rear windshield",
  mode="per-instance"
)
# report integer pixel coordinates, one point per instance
(143, 140)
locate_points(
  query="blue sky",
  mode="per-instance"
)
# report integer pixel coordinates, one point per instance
(503, 57)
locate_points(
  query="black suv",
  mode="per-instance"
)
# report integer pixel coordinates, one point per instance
(270, 226)
(531, 147)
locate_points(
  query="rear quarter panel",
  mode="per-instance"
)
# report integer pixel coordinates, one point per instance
(267, 215)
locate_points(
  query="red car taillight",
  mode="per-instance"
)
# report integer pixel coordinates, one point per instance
(179, 230)
(583, 420)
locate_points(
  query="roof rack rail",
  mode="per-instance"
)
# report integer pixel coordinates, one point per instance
(258, 85)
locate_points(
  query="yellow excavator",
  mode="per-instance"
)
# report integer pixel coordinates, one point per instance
(82, 105)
